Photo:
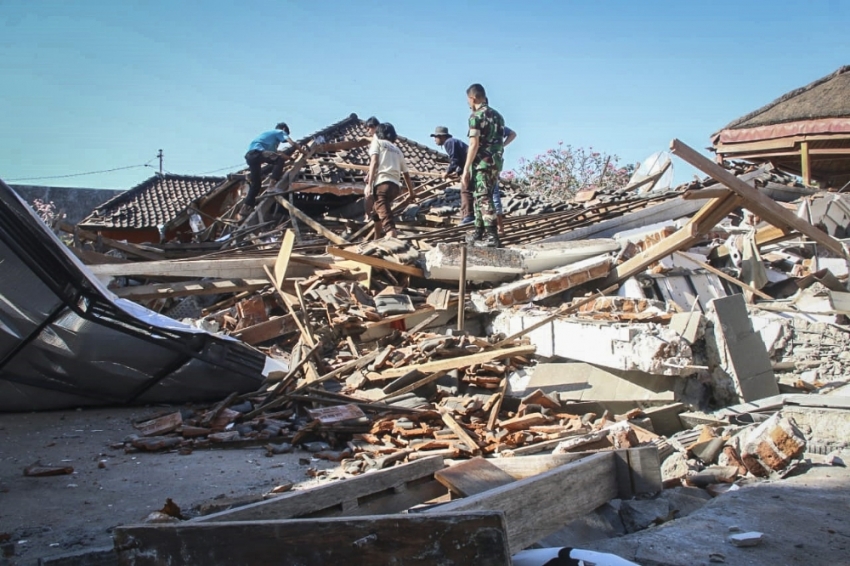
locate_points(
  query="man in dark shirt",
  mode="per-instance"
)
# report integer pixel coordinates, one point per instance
(456, 150)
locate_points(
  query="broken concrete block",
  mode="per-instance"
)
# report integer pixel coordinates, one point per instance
(581, 381)
(543, 285)
(741, 351)
(689, 325)
(675, 466)
(772, 445)
(639, 514)
(746, 539)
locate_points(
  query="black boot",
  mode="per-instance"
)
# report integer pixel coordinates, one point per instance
(474, 237)
(491, 240)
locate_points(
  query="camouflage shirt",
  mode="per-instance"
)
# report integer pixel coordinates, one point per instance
(489, 126)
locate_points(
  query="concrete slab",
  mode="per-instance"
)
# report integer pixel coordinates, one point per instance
(742, 353)
(688, 325)
(586, 382)
(804, 519)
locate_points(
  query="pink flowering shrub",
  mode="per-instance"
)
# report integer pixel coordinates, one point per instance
(46, 211)
(560, 173)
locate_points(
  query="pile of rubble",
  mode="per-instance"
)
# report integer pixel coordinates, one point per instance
(693, 326)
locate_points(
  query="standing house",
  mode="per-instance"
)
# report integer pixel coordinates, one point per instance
(805, 132)
(158, 209)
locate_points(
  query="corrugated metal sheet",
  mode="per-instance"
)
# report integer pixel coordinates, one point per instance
(66, 341)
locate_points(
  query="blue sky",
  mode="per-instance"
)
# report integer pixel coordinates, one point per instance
(94, 85)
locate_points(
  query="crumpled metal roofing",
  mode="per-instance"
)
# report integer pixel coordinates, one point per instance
(66, 341)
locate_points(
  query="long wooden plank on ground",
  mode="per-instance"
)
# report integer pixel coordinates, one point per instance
(436, 538)
(756, 201)
(472, 477)
(376, 262)
(538, 506)
(317, 226)
(449, 364)
(214, 287)
(341, 493)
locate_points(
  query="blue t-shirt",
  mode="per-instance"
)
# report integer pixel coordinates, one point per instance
(268, 141)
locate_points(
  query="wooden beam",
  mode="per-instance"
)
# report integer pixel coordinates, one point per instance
(805, 163)
(704, 194)
(725, 276)
(214, 287)
(414, 386)
(282, 261)
(376, 262)
(226, 268)
(449, 364)
(321, 498)
(296, 213)
(541, 505)
(764, 236)
(472, 477)
(759, 203)
(436, 538)
(131, 249)
(272, 328)
(460, 432)
(703, 221)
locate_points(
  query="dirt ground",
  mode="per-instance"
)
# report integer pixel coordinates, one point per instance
(55, 515)
(805, 519)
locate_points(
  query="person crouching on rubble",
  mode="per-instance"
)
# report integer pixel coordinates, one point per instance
(484, 163)
(371, 124)
(387, 167)
(264, 150)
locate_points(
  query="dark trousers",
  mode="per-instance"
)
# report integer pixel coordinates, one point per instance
(467, 201)
(385, 194)
(255, 160)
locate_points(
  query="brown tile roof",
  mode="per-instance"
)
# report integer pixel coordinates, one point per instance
(156, 201)
(419, 157)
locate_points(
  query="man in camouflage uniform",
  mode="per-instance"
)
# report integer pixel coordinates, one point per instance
(484, 163)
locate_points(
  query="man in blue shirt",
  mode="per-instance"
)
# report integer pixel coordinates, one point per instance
(457, 151)
(264, 150)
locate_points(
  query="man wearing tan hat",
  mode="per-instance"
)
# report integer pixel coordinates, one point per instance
(456, 150)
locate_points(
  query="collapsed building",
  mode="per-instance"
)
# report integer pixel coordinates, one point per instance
(623, 343)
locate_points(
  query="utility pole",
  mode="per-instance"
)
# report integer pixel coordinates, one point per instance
(159, 156)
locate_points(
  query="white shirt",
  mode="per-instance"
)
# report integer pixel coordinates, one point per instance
(391, 163)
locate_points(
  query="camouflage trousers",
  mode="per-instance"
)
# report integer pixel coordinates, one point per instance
(483, 181)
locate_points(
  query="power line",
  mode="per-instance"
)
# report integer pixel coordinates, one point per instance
(78, 174)
(240, 165)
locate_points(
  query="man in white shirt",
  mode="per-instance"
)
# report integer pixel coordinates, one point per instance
(386, 169)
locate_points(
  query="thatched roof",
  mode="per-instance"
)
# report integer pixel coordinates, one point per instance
(828, 97)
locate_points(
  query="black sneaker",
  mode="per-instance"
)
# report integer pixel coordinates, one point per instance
(475, 236)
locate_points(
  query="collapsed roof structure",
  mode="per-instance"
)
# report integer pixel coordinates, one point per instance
(630, 339)
(805, 132)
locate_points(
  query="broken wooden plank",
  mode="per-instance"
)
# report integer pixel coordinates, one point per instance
(231, 268)
(282, 262)
(756, 201)
(702, 222)
(213, 287)
(538, 506)
(449, 364)
(333, 495)
(414, 386)
(273, 328)
(160, 425)
(297, 213)
(435, 538)
(472, 477)
(376, 262)
(460, 432)
(725, 276)
(523, 422)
